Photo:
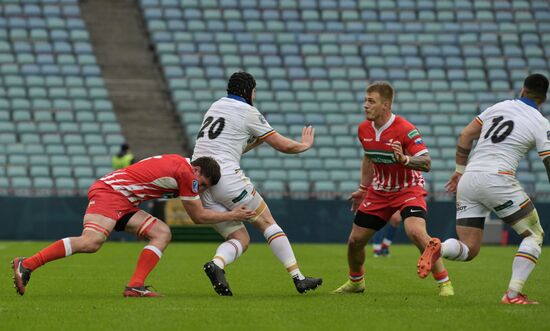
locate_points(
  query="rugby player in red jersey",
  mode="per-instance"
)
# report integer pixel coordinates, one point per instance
(390, 181)
(113, 205)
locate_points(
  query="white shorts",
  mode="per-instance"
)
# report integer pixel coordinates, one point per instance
(479, 193)
(234, 189)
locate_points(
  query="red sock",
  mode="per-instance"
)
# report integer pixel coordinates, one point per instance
(441, 276)
(53, 252)
(148, 259)
(357, 276)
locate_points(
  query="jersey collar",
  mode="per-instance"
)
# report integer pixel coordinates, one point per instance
(529, 102)
(378, 132)
(236, 97)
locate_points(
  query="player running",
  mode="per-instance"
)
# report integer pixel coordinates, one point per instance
(486, 182)
(231, 127)
(113, 204)
(390, 181)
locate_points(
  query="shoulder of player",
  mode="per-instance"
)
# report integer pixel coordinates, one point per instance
(406, 127)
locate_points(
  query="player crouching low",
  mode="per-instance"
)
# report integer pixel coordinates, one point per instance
(113, 205)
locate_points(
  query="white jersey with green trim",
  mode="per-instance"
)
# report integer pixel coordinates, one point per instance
(509, 130)
(228, 126)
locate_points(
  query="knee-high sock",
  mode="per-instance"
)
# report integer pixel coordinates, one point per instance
(377, 239)
(280, 246)
(228, 252)
(524, 262)
(148, 259)
(57, 250)
(453, 249)
(389, 235)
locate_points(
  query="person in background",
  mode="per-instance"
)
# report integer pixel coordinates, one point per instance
(383, 239)
(123, 158)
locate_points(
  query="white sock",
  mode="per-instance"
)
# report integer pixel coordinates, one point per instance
(68, 246)
(228, 252)
(376, 247)
(386, 242)
(453, 249)
(280, 246)
(524, 262)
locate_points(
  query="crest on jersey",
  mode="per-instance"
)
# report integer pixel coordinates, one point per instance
(195, 187)
(262, 119)
(548, 135)
(413, 133)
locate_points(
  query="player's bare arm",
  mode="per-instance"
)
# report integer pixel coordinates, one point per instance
(367, 173)
(421, 162)
(200, 215)
(546, 162)
(289, 146)
(465, 141)
(463, 148)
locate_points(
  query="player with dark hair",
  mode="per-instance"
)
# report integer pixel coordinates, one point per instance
(485, 181)
(390, 181)
(113, 205)
(231, 127)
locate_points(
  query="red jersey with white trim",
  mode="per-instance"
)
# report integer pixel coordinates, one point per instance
(390, 176)
(155, 177)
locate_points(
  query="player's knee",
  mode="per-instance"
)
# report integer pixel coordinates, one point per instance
(91, 245)
(163, 233)
(356, 241)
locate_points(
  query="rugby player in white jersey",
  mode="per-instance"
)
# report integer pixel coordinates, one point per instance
(486, 182)
(231, 127)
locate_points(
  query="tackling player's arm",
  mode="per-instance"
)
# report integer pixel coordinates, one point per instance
(200, 215)
(463, 148)
(367, 173)
(289, 146)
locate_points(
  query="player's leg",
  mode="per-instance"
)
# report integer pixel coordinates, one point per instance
(389, 233)
(96, 230)
(468, 244)
(280, 246)
(236, 242)
(363, 228)
(148, 227)
(377, 241)
(414, 220)
(527, 224)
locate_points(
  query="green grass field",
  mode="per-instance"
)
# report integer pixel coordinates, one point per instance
(84, 292)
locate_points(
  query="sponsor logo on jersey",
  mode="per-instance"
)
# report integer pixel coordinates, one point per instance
(418, 141)
(413, 133)
(504, 205)
(378, 156)
(195, 187)
(240, 197)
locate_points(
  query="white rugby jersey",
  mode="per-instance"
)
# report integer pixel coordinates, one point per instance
(226, 129)
(509, 130)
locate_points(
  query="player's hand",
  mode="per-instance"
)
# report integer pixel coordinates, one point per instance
(242, 213)
(452, 184)
(356, 198)
(308, 135)
(398, 151)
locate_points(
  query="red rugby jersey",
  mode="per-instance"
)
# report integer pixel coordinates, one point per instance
(389, 175)
(155, 177)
